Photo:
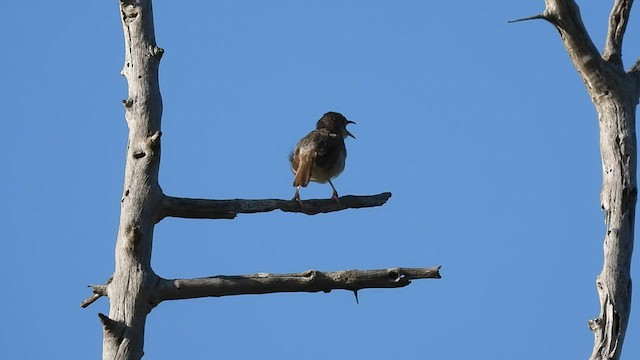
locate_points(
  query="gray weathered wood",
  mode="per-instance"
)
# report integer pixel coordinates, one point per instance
(308, 281)
(133, 277)
(615, 93)
(134, 289)
(228, 209)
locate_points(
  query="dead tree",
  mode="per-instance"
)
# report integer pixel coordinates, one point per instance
(134, 289)
(614, 92)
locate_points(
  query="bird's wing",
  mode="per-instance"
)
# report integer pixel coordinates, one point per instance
(303, 159)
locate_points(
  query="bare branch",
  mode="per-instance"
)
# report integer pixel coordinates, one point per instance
(634, 73)
(618, 20)
(308, 281)
(636, 67)
(534, 17)
(110, 325)
(90, 300)
(227, 209)
(98, 292)
(565, 16)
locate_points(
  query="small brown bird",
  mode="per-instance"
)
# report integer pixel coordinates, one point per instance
(320, 156)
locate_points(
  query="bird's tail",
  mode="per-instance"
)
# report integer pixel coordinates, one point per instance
(305, 164)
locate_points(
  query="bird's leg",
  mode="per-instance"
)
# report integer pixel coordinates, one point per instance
(296, 197)
(335, 193)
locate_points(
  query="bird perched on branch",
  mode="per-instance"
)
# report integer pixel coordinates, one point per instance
(320, 156)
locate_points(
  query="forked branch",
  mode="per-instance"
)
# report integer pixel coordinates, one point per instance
(618, 20)
(98, 292)
(565, 16)
(615, 96)
(307, 281)
(228, 209)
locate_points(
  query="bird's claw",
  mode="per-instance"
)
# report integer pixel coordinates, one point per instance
(296, 198)
(335, 197)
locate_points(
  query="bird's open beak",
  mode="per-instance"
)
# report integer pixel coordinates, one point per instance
(348, 133)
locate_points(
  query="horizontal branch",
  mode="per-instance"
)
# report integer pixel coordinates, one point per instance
(308, 281)
(228, 209)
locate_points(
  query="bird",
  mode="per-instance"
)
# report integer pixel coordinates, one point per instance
(320, 155)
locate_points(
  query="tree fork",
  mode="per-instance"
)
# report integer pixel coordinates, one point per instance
(615, 94)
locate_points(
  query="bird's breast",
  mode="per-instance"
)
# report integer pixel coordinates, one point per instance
(323, 174)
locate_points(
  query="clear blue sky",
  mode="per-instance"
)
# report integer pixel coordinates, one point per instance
(482, 131)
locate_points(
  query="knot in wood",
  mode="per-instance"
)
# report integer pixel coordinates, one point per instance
(139, 154)
(130, 12)
(311, 274)
(157, 52)
(133, 233)
(153, 141)
(395, 274)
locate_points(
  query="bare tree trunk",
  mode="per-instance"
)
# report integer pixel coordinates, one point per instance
(618, 201)
(615, 94)
(134, 289)
(133, 279)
